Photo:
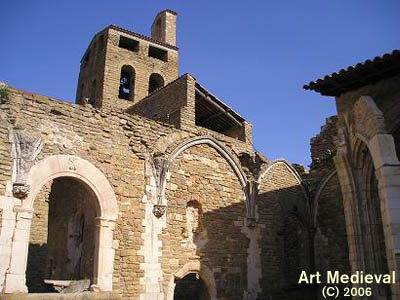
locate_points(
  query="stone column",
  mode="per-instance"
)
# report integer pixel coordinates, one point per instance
(6, 235)
(387, 168)
(105, 255)
(350, 212)
(15, 278)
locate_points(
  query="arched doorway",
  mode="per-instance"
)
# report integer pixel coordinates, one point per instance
(192, 274)
(63, 234)
(191, 287)
(88, 180)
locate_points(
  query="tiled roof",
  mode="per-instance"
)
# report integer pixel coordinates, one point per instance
(354, 77)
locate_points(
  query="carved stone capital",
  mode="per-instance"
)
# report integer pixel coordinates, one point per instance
(251, 222)
(24, 150)
(20, 190)
(159, 210)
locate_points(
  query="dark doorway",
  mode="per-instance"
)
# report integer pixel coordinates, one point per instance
(191, 288)
(63, 232)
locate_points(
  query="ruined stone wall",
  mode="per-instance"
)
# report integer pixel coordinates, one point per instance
(284, 222)
(117, 144)
(112, 143)
(330, 245)
(205, 205)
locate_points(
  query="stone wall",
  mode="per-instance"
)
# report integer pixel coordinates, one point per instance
(368, 136)
(330, 245)
(166, 104)
(36, 271)
(205, 205)
(284, 221)
(118, 145)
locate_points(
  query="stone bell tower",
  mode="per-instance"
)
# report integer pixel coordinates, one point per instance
(121, 67)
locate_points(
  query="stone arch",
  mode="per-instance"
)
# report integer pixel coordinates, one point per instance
(73, 166)
(369, 211)
(283, 202)
(320, 188)
(367, 120)
(171, 139)
(201, 270)
(329, 240)
(217, 146)
(156, 81)
(56, 166)
(127, 83)
(291, 170)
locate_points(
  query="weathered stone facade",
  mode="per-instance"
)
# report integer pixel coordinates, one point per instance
(149, 187)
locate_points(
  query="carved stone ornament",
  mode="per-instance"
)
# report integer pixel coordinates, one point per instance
(24, 149)
(20, 190)
(160, 167)
(251, 192)
(159, 210)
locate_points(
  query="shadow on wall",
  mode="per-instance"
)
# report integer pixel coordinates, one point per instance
(35, 273)
(286, 243)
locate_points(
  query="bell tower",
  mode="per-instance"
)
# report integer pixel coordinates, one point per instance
(121, 67)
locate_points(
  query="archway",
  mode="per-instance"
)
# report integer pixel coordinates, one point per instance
(156, 81)
(199, 272)
(191, 287)
(63, 234)
(90, 179)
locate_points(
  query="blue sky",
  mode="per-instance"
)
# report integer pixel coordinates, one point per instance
(254, 55)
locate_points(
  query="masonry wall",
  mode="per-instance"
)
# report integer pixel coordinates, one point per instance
(118, 144)
(166, 104)
(284, 221)
(36, 271)
(201, 177)
(91, 74)
(330, 245)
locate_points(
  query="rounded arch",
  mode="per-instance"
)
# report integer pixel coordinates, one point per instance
(127, 83)
(217, 146)
(156, 81)
(199, 269)
(72, 166)
(290, 169)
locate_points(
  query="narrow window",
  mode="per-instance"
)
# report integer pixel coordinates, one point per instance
(128, 44)
(158, 53)
(127, 83)
(156, 81)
